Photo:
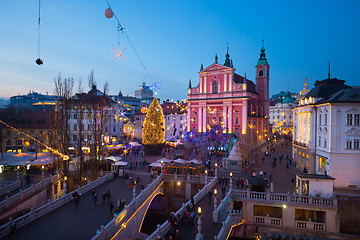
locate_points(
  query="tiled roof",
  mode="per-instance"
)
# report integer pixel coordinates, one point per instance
(325, 88)
(33, 120)
(250, 85)
(173, 108)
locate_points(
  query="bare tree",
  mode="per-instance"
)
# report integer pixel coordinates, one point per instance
(80, 87)
(91, 80)
(59, 137)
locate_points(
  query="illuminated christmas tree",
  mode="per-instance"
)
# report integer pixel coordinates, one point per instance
(153, 132)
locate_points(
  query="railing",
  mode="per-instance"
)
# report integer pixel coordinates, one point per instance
(300, 144)
(224, 204)
(188, 178)
(165, 227)
(120, 220)
(10, 187)
(268, 221)
(14, 200)
(50, 206)
(233, 219)
(284, 198)
(310, 225)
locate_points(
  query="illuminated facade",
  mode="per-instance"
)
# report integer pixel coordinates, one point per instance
(327, 132)
(228, 101)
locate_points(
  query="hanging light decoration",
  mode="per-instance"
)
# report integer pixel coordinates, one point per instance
(109, 13)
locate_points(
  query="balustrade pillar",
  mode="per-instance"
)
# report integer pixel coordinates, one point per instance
(134, 192)
(215, 203)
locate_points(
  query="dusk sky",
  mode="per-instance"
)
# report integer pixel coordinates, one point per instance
(173, 38)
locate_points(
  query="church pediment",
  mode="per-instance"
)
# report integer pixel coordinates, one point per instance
(215, 67)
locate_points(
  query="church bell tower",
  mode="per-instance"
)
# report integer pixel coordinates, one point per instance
(262, 80)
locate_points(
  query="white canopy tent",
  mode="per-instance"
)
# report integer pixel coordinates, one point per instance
(113, 158)
(181, 161)
(121, 163)
(195, 161)
(155, 164)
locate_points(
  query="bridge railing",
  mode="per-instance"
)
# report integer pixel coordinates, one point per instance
(223, 208)
(10, 187)
(284, 198)
(14, 200)
(119, 221)
(48, 207)
(166, 226)
(233, 219)
(188, 178)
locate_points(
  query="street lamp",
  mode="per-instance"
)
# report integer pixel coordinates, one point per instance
(199, 236)
(206, 175)
(162, 162)
(65, 184)
(231, 176)
(42, 173)
(216, 169)
(215, 200)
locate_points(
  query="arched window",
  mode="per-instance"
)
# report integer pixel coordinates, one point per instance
(215, 87)
(261, 73)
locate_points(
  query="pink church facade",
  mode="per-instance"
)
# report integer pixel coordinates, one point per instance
(230, 102)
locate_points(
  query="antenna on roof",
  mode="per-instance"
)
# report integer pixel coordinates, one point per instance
(329, 70)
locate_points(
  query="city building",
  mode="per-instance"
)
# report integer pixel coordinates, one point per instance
(280, 114)
(145, 94)
(33, 101)
(34, 123)
(90, 110)
(228, 101)
(327, 132)
(130, 105)
(175, 115)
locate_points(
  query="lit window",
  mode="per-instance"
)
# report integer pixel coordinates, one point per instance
(356, 143)
(348, 144)
(349, 119)
(357, 120)
(215, 87)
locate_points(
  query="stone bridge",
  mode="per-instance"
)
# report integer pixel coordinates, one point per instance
(128, 223)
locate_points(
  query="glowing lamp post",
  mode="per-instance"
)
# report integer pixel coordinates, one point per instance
(199, 236)
(162, 162)
(231, 176)
(206, 176)
(215, 200)
(42, 173)
(216, 169)
(65, 184)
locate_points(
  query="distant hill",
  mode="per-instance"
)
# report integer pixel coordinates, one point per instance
(4, 102)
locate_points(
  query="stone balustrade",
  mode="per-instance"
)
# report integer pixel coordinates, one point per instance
(14, 200)
(310, 225)
(163, 229)
(50, 206)
(223, 208)
(187, 178)
(10, 187)
(233, 219)
(284, 198)
(268, 221)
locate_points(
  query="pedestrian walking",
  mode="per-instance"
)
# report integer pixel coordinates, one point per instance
(76, 198)
(108, 197)
(223, 189)
(111, 207)
(103, 197)
(94, 199)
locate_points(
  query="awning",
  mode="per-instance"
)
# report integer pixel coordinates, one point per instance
(155, 164)
(113, 158)
(181, 161)
(41, 161)
(195, 161)
(165, 160)
(121, 163)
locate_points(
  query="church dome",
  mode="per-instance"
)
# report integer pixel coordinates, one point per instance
(288, 98)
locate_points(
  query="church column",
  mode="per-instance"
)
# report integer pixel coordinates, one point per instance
(199, 119)
(188, 120)
(200, 83)
(244, 118)
(205, 84)
(204, 119)
(230, 119)
(225, 118)
(225, 80)
(230, 82)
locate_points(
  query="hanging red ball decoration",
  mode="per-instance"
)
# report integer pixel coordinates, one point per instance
(109, 13)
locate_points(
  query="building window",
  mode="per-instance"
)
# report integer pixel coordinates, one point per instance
(215, 87)
(325, 119)
(236, 120)
(220, 120)
(261, 73)
(74, 138)
(356, 143)
(214, 120)
(357, 120)
(75, 116)
(348, 144)
(325, 142)
(180, 118)
(319, 144)
(75, 127)
(320, 119)
(278, 116)
(322, 164)
(194, 119)
(349, 119)
(284, 116)
(180, 125)
(208, 119)
(8, 142)
(114, 129)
